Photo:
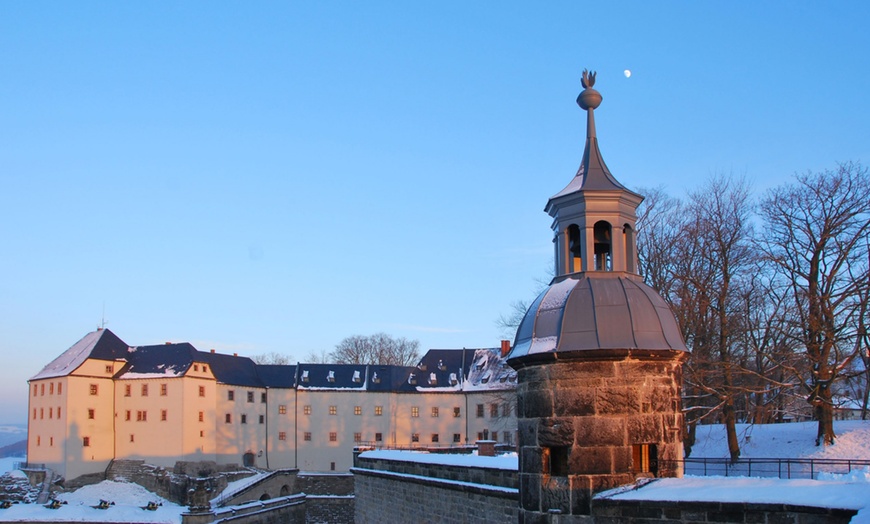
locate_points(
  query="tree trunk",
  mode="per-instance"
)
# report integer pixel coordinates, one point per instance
(730, 421)
(824, 411)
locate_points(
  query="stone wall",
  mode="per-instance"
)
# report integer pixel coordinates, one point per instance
(397, 491)
(581, 422)
(330, 497)
(606, 511)
(281, 510)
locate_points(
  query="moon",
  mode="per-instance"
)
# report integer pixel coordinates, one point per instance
(627, 73)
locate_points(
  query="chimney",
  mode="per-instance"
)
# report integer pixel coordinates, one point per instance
(169, 343)
(235, 354)
(505, 348)
(485, 448)
(212, 351)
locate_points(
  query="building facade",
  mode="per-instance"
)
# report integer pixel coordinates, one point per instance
(103, 399)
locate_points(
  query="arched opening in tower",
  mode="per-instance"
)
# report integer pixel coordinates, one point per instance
(603, 246)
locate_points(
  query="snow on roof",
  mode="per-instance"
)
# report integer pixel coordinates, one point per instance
(840, 491)
(87, 347)
(508, 462)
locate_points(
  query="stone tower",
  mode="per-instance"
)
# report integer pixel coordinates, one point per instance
(598, 353)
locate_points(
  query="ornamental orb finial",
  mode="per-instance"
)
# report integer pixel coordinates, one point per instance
(589, 98)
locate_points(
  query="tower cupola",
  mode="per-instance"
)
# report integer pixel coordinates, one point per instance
(594, 216)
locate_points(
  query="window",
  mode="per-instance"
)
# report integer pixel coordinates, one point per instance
(163, 415)
(196, 367)
(42, 390)
(132, 438)
(415, 411)
(59, 388)
(357, 437)
(141, 416)
(94, 389)
(379, 410)
(228, 418)
(202, 416)
(39, 440)
(434, 437)
(493, 410)
(644, 458)
(457, 437)
(86, 441)
(35, 389)
(282, 435)
(415, 437)
(128, 390)
(332, 466)
(51, 441)
(51, 388)
(144, 390)
(457, 412)
(201, 433)
(357, 410)
(41, 413)
(34, 413)
(307, 436)
(333, 436)
(333, 410)
(434, 412)
(506, 409)
(50, 412)
(495, 436)
(163, 390)
(480, 411)
(250, 396)
(91, 413)
(231, 395)
(201, 391)
(58, 412)
(204, 368)
(507, 437)
(262, 419)
(306, 410)
(127, 415)
(379, 437)
(244, 419)
(262, 398)
(555, 461)
(282, 409)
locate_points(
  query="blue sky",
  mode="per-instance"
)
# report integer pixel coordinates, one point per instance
(276, 176)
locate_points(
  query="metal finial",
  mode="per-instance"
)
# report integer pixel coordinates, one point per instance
(589, 98)
(588, 79)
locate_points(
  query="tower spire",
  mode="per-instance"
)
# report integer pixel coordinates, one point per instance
(594, 214)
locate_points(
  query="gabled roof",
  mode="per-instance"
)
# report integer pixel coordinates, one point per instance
(231, 369)
(166, 360)
(277, 376)
(101, 344)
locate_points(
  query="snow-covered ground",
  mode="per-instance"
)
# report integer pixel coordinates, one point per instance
(846, 491)
(850, 491)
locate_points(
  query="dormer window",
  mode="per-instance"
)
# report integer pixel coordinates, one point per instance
(421, 366)
(433, 380)
(330, 376)
(485, 379)
(441, 365)
(375, 378)
(305, 376)
(453, 379)
(412, 379)
(356, 376)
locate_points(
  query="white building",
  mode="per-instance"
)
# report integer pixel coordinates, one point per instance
(103, 399)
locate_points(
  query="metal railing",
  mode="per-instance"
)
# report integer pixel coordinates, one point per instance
(784, 468)
(28, 465)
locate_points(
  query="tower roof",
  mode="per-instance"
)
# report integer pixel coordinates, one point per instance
(593, 173)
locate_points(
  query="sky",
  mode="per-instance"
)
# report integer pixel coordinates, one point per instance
(277, 176)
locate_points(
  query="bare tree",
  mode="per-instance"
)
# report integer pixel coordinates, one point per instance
(318, 357)
(816, 242)
(379, 348)
(272, 358)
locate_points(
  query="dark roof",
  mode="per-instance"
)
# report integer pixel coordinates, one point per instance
(231, 369)
(101, 344)
(277, 376)
(331, 376)
(166, 359)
